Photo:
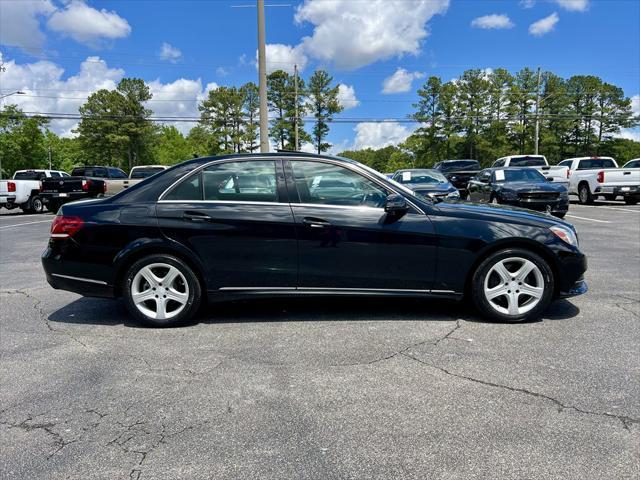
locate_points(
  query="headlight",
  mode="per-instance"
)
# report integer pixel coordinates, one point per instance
(454, 194)
(509, 195)
(565, 234)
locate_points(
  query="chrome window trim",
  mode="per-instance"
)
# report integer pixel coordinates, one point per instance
(80, 279)
(222, 202)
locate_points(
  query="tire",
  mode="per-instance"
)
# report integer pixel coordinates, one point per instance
(610, 198)
(36, 205)
(494, 275)
(146, 297)
(559, 215)
(53, 207)
(631, 200)
(584, 194)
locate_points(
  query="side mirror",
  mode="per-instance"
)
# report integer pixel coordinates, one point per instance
(395, 204)
(549, 179)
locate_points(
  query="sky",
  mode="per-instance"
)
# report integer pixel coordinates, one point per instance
(378, 51)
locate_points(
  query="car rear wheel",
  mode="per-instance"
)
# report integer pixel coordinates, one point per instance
(630, 200)
(162, 291)
(584, 194)
(610, 197)
(512, 285)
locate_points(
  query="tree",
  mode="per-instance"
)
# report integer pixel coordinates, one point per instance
(281, 97)
(252, 110)
(473, 88)
(22, 141)
(323, 100)
(171, 147)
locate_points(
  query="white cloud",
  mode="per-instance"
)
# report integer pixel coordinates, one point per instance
(629, 134)
(87, 25)
(351, 34)
(47, 91)
(493, 21)
(379, 134)
(170, 53)
(400, 81)
(20, 22)
(284, 57)
(571, 5)
(347, 96)
(635, 104)
(544, 25)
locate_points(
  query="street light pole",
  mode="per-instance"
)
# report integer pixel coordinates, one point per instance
(295, 87)
(262, 74)
(17, 92)
(537, 139)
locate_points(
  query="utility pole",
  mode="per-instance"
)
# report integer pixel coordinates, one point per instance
(295, 87)
(49, 152)
(262, 74)
(537, 138)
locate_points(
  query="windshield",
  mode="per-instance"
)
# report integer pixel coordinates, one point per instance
(519, 175)
(29, 176)
(528, 161)
(416, 177)
(145, 172)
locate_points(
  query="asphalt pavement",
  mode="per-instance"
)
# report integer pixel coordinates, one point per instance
(323, 388)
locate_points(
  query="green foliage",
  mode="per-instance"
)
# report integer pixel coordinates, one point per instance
(171, 147)
(323, 104)
(22, 141)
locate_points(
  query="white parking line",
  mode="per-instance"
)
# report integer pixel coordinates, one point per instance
(27, 223)
(18, 217)
(620, 209)
(589, 219)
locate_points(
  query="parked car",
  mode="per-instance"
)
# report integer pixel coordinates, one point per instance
(592, 177)
(23, 190)
(635, 163)
(427, 182)
(519, 187)
(555, 173)
(458, 172)
(195, 232)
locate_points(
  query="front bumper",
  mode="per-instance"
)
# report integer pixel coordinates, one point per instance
(578, 288)
(561, 206)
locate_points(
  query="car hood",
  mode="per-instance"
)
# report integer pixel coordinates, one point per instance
(433, 188)
(522, 187)
(493, 212)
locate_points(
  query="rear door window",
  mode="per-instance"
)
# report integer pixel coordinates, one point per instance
(250, 181)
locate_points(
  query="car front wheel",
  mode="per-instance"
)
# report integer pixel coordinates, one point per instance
(512, 285)
(162, 291)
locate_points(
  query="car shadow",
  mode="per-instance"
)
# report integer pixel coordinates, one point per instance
(112, 312)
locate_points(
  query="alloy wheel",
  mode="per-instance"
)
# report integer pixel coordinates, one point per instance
(514, 286)
(159, 291)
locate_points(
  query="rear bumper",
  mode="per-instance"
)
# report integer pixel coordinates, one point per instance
(624, 190)
(7, 199)
(74, 277)
(63, 197)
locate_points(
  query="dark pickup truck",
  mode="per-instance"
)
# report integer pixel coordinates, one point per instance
(84, 183)
(459, 172)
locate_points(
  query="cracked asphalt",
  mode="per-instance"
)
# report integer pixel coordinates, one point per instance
(323, 388)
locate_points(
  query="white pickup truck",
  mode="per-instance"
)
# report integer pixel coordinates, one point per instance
(555, 173)
(592, 177)
(23, 190)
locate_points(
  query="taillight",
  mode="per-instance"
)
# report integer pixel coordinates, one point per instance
(11, 186)
(104, 187)
(568, 173)
(85, 185)
(600, 177)
(64, 227)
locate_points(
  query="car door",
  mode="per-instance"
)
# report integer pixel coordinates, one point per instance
(346, 240)
(235, 218)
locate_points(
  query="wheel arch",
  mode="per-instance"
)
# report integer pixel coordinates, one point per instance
(523, 243)
(145, 247)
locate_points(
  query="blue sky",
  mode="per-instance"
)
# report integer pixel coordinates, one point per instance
(58, 51)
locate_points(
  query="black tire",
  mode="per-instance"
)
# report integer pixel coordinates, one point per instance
(610, 198)
(53, 207)
(631, 200)
(559, 215)
(483, 305)
(193, 291)
(584, 194)
(36, 204)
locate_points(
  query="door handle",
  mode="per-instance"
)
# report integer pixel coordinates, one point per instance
(195, 216)
(315, 223)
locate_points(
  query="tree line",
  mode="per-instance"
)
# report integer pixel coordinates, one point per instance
(480, 115)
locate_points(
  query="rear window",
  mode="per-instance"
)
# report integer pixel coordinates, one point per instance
(29, 176)
(460, 165)
(528, 161)
(593, 163)
(145, 172)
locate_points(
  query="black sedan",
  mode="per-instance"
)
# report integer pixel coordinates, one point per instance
(283, 224)
(427, 182)
(519, 187)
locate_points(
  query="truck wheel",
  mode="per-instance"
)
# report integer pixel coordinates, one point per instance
(36, 205)
(53, 207)
(610, 197)
(584, 194)
(631, 200)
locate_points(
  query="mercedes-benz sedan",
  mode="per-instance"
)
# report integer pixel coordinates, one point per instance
(300, 224)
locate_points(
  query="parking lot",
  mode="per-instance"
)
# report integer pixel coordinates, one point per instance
(323, 388)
